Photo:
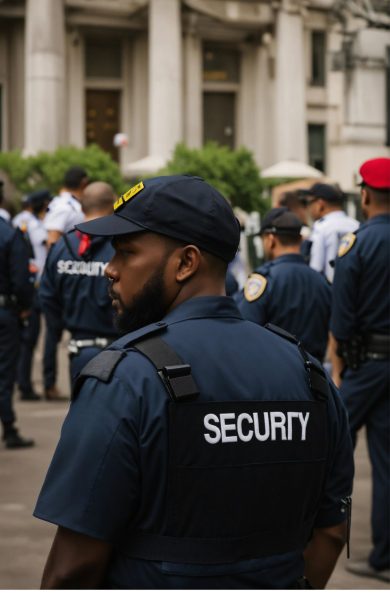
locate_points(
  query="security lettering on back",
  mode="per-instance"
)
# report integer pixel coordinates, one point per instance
(257, 426)
(80, 267)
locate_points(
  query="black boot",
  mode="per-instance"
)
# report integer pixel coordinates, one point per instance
(12, 439)
(29, 395)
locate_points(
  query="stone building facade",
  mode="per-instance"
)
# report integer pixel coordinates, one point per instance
(289, 79)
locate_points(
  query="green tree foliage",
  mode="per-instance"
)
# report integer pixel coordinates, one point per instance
(47, 169)
(233, 172)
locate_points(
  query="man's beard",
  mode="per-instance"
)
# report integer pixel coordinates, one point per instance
(147, 307)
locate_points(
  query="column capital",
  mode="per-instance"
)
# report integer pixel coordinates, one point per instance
(297, 7)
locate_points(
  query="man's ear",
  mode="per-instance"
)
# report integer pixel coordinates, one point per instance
(189, 259)
(365, 197)
(272, 241)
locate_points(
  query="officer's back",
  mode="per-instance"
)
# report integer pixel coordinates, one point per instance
(74, 290)
(285, 291)
(198, 442)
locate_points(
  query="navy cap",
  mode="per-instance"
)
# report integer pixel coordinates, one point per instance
(325, 191)
(38, 198)
(179, 206)
(281, 220)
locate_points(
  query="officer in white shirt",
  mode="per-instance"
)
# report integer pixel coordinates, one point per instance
(331, 224)
(65, 210)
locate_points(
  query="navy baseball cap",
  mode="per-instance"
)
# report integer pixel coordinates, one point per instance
(38, 198)
(281, 220)
(325, 191)
(179, 206)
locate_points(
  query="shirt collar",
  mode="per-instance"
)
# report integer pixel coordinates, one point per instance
(289, 258)
(384, 218)
(334, 213)
(204, 307)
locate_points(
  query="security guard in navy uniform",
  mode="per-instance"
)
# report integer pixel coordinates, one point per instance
(360, 323)
(16, 292)
(200, 450)
(285, 291)
(74, 290)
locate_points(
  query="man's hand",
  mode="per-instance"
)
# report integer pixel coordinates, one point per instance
(75, 562)
(322, 552)
(336, 360)
(52, 237)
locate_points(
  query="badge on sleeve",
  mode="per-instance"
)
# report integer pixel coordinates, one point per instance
(255, 287)
(346, 243)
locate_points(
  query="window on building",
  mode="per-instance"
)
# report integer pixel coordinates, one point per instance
(103, 58)
(318, 55)
(221, 64)
(317, 152)
(388, 97)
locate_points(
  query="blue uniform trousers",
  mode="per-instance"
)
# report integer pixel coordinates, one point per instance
(28, 341)
(52, 339)
(366, 393)
(9, 348)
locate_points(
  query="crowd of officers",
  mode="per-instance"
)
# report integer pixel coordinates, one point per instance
(329, 289)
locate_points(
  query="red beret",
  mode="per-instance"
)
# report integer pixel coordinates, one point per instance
(376, 173)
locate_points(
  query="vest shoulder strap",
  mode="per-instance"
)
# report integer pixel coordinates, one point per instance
(318, 383)
(175, 374)
(100, 366)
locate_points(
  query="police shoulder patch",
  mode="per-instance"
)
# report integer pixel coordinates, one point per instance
(129, 195)
(255, 287)
(346, 243)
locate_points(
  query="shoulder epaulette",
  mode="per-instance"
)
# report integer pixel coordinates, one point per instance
(100, 367)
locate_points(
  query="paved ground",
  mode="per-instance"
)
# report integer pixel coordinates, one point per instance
(25, 541)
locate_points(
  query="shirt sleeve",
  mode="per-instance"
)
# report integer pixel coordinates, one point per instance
(317, 251)
(57, 219)
(92, 485)
(255, 311)
(21, 283)
(340, 466)
(345, 295)
(48, 293)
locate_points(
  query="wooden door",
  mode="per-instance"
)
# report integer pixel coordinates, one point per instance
(103, 119)
(219, 118)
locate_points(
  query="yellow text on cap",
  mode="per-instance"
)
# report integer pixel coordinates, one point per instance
(129, 194)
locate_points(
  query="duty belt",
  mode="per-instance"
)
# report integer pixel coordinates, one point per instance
(8, 301)
(362, 347)
(75, 346)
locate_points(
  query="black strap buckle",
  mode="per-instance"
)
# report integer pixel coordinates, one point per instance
(317, 381)
(179, 382)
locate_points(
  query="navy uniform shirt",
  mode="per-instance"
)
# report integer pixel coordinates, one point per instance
(295, 298)
(74, 288)
(361, 298)
(14, 266)
(109, 472)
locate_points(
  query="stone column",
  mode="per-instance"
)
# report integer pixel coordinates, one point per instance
(290, 85)
(165, 77)
(45, 75)
(193, 125)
